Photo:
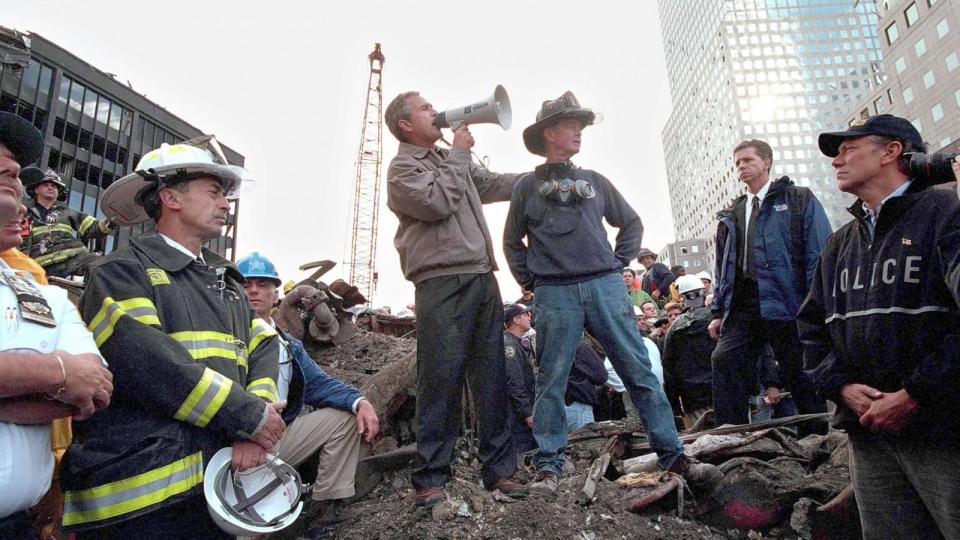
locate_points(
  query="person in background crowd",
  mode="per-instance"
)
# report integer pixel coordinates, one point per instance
(657, 279)
(637, 296)
(881, 331)
(58, 233)
(49, 364)
(556, 244)
(769, 241)
(687, 349)
(518, 352)
(707, 281)
(672, 311)
(526, 298)
(335, 419)
(438, 194)
(580, 397)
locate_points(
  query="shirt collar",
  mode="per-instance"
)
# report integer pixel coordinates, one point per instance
(416, 151)
(181, 248)
(872, 214)
(760, 194)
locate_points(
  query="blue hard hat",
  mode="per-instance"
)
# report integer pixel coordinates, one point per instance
(256, 265)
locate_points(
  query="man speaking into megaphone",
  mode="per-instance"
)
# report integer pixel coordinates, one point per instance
(446, 251)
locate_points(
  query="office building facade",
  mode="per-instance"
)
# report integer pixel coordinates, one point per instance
(777, 70)
(921, 51)
(95, 127)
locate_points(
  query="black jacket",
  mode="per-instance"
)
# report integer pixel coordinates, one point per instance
(884, 313)
(567, 243)
(658, 278)
(587, 372)
(520, 380)
(687, 348)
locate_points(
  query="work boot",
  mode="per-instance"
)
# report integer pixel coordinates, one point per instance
(545, 484)
(702, 477)
(330, 512)
(510, 487)
(429, 497)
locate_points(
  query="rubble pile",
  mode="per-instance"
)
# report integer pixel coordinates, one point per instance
(773, 486)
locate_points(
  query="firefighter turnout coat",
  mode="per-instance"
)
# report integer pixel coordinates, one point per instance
(62, 234)
(193, 367)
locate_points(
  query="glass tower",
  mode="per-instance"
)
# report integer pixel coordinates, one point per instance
(778, 70)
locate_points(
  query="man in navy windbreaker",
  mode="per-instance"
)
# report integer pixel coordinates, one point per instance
(768, 242)
(338, 418)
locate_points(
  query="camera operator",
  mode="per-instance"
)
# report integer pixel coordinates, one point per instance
(881, 331)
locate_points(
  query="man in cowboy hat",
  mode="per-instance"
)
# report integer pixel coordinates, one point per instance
(446, 251)
(196, 369)
(556, 245)
(58, 233)
(657, 279)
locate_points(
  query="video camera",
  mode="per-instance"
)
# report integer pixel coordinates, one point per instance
(930, 168)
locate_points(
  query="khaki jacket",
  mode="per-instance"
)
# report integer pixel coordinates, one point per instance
(437, 196)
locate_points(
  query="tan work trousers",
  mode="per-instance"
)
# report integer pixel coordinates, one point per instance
(332, 433)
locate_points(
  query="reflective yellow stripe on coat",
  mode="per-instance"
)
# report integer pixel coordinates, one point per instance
(265, 388)
(87, 222)
(132, 494)
(204, 344)
(259, 331)
(139, 308)
(52, 228)
(205, 399)
(58, 256)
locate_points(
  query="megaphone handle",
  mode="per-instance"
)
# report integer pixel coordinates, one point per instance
(455, 125)
(484, 162)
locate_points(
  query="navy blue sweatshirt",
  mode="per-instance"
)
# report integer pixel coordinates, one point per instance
(567, 243)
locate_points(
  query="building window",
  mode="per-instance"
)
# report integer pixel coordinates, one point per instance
(952, 61)
(907, 95)
(956, 96)
(937, 112)
(878, 105)
(900, 64)
(911, 13)
(929, 79)
(917, 124)
(942, 28)
(931, 3)
(920, 47)
(893, 33)
(695, 248)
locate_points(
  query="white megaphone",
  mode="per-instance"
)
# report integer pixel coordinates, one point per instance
(492, 110)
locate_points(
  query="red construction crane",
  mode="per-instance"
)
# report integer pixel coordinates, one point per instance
(366, 197)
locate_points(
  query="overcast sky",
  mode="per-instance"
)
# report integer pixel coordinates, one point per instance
(284, 83)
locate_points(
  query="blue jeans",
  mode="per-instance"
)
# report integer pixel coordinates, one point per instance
(578, 415)
(603, 306)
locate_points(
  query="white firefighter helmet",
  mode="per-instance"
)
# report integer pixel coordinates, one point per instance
(255, 501)
(687, 284)
(169, 165)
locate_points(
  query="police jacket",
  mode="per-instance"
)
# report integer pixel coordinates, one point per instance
(310, 385)
(549, 242)
(193, 368)
(520, 379)
(782, 290)
(687, 349)
(438, 197)
(883, 312)
(62, 234)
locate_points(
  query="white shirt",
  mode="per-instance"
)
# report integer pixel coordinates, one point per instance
(653, 353)
(181, 248)
(746, 217)
(26, 461)
(286, 370)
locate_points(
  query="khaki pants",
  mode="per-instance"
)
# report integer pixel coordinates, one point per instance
(332, 433)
